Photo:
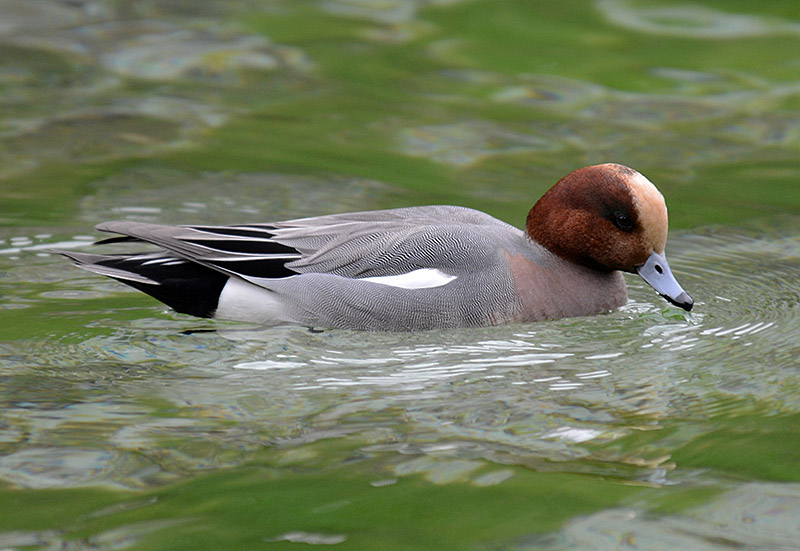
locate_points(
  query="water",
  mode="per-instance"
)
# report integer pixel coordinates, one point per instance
(123, 425)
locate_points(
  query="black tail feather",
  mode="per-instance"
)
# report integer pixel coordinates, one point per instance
(184, 286)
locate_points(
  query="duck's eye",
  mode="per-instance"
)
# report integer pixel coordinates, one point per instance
(623, 221)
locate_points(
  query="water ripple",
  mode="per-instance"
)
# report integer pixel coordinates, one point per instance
(753, 516)
(692, 21)
(544, 392)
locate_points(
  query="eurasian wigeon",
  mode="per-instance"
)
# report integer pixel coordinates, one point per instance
(412, 268)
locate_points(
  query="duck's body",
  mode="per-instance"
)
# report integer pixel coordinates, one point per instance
(413, 268)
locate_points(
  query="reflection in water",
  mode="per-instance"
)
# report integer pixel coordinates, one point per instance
(752, 516)
(312, 539)
(67, 69)
(115, 538)
(465, 143)
(155, 195)
(693, 21)
(710, 120)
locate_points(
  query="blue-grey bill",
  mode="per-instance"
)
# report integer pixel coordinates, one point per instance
(656, 273)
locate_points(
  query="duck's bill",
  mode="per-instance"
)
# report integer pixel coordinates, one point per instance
(656, 273)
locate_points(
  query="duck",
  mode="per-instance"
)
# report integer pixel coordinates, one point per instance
(414, 268)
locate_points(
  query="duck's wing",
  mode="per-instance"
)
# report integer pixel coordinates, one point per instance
(353, 245)
(201, 269)
(232, 250)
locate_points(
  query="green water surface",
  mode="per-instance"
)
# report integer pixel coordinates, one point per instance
(647, 428)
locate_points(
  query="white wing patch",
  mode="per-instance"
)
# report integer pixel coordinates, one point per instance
(424, 278)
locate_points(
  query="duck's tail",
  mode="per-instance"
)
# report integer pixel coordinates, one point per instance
(185, 286)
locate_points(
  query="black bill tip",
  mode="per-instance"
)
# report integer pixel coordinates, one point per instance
(683, 300)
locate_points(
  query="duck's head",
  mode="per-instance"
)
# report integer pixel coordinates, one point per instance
(608, 217)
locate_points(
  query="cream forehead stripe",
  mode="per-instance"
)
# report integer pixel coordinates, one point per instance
(652, 210)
